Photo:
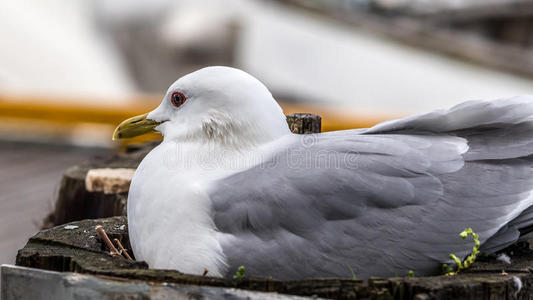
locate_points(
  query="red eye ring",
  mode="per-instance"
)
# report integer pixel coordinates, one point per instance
(177, 99)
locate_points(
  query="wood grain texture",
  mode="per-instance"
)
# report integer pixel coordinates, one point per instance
(304, 123)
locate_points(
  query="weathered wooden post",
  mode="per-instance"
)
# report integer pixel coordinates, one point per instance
(303, 123)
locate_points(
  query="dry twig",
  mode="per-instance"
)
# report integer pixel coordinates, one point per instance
(122, 250)
(107, 241)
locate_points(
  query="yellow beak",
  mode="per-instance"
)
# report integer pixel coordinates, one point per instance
(135, 126)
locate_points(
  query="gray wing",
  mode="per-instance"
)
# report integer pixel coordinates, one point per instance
(385, 200)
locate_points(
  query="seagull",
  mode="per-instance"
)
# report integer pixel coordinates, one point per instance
(231, 186)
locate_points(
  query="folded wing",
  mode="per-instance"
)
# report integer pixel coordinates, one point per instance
(384, 200)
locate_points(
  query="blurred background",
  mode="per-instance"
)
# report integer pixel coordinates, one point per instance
(70, 71)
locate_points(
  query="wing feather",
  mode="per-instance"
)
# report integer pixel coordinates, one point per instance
(385, 200)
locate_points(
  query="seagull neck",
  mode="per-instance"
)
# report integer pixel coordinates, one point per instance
(204, 160)
(229, 138)
(226, 143)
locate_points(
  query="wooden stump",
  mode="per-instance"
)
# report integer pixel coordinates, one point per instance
(303, 123)
(76, 202)
(77, 248)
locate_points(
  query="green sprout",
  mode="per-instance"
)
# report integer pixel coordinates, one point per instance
(471, 258)
(351, 271)
(446, 269)
(240, 273)
(411, 273)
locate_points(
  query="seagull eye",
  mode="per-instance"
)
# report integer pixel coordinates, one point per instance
(177, 99)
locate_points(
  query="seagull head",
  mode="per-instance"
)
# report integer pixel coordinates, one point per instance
(213, 105)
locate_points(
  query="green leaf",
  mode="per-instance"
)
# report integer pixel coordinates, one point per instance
(240, 273)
